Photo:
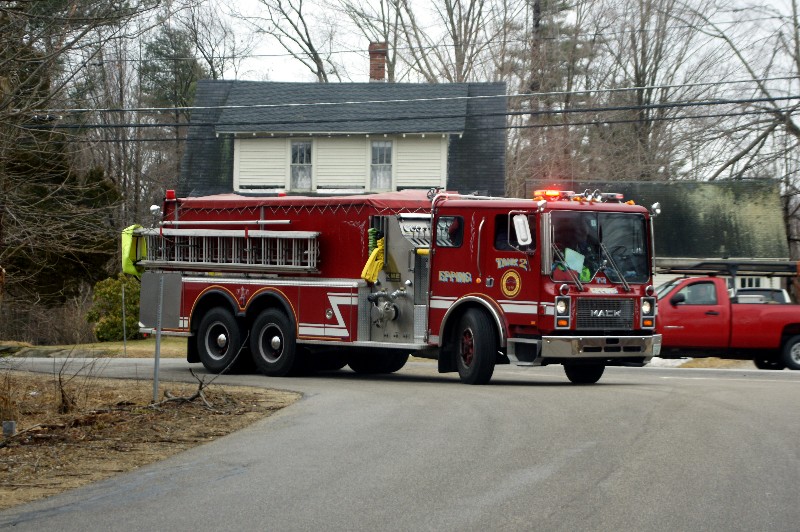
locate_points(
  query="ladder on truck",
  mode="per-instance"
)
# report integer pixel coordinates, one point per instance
(229, 250)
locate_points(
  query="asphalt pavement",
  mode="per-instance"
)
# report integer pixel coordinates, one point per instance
(644, 449)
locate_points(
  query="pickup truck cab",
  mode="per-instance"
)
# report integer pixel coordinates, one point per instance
(697, 318)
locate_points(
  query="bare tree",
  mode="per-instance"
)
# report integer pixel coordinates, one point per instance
(546, 57)
(764, 138)
(377, 23)
(56, 218)
(307, 38)
(454, 54)
(218, 43)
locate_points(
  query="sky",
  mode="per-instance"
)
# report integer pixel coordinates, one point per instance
(270, 62)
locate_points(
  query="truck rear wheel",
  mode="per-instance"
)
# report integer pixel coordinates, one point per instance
(476, 347)
(273, 344)
(791, 352)
(584, 374)
(219, 340)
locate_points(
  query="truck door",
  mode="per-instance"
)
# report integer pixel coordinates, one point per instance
(452, 267)
(696, 317)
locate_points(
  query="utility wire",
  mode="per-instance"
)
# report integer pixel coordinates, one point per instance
(264, 124)
(479, 128)
(406, 100)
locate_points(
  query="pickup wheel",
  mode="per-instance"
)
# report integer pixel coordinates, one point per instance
(583, 374)
(769, 363)
(476, 347)
(219, 340)
(791, 352)
(273, 344)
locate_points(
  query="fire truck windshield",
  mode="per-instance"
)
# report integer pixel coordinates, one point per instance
(585, 243)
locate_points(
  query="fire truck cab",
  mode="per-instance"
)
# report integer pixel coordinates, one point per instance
(367, 280)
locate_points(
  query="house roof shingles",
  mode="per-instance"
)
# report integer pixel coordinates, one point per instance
(342, 108)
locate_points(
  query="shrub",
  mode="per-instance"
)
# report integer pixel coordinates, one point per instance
(106, 311)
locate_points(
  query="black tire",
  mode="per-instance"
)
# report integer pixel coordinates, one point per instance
(769, 363)
(791, 353)
(219, 340)
(273, 344)
(584, 374)
(476, 347)
(377, 363)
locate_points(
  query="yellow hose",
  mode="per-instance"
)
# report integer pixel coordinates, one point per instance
(374, 264)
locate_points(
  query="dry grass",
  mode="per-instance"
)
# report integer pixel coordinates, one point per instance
(171, 347)
(111, 428)
(719, 363)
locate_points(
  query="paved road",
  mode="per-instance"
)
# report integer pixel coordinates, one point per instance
(644, 449)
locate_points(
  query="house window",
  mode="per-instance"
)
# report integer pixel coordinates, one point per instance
(301, 165)
(381, 170)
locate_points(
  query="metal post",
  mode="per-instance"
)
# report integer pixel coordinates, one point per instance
(124, 324)
(158, 337)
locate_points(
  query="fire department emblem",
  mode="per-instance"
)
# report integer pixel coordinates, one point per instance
(511, 284)
(242, 292)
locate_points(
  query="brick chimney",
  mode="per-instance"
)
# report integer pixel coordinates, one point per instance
(377, 61)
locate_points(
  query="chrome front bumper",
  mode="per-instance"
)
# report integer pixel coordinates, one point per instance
(601, 347)
(534, 352)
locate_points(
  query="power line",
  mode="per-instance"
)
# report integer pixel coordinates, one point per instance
(409, 100)
(549, 112)
(479, 128)
(485, 128)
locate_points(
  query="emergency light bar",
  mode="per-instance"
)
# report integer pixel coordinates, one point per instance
(569, 195)
(553, 195)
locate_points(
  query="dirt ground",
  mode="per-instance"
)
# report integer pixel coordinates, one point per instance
(88, 429)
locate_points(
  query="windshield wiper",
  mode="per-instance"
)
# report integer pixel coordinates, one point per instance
(614, 266)
(572, 273)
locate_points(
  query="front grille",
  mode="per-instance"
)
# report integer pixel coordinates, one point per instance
(604, 314)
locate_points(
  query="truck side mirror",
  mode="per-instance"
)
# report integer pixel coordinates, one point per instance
(680, 297)
(523, 229)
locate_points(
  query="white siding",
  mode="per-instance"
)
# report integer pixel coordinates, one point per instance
(260, 163)
(420, 162)
(340, 162)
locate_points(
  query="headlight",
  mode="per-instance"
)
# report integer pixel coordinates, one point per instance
(648, 318)
(561, 306)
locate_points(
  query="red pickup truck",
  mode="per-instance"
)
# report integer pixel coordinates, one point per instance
(698, 318)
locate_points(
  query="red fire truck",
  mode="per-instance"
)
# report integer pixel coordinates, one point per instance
(367, 280)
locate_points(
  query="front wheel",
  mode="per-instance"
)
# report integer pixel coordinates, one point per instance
(476, 347)
(580, 374)
(273, 344)
(219, 340)
(791, 352)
